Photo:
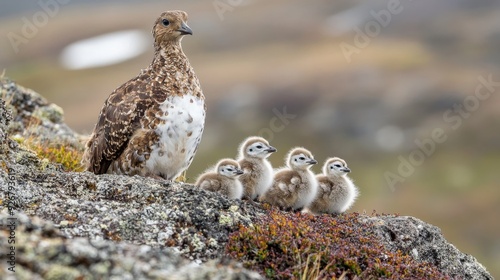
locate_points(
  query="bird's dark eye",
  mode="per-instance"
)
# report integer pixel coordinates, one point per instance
(302, 158)
(259, 147)
(165, 22)
(337, 165)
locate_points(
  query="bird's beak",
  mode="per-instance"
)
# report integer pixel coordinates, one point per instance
(347, 170)
(312, 161)
(239, 172)
(271, 149)
(184, 30)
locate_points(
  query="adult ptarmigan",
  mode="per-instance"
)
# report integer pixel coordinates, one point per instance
(152, 124)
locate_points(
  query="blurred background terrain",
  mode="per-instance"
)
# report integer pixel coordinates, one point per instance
(338, 78)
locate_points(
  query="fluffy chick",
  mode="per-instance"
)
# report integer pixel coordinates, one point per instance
(258, 176)
(336, 191)
(294, 186)
(223, 180)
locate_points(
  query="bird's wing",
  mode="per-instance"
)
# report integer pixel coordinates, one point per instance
(335, 190)
(287, 181)
(204, 184)
(295, 183)
(246, 166)
(323, 187)
(118, 120)
(283, 187)
(327, 188)
(247, 170)
(211, 185)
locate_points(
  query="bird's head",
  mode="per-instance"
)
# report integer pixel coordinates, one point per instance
(171, 26)
(229, 168)
(300, 158)
(335, 167)
(256, 147)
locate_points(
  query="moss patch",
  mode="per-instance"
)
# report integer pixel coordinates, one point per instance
(301, 246)
(60, 153)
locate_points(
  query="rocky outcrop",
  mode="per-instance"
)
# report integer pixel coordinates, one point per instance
(5, 118)
(76, 224)
(425, 243)
(138, 210)
(43, 252)
(33, 116)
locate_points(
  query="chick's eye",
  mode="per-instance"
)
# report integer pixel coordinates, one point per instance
(259, 147)
(302, 158)
(165, 22)
(337, 165)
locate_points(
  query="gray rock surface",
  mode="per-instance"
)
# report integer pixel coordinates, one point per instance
(5, 143)
(425, 243)
(33, 116)
(4, 122)
(42, 252)
(139, 210)
(73, 224)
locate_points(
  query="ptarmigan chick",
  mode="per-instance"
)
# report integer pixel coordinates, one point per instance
(223, 180)
(258, 176)
(336, 192)
(293, 186)
(152, 124)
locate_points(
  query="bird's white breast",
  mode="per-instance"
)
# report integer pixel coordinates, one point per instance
(266, 179)
(352, 194)
(309, 193)
(237, 191)
(179, 132)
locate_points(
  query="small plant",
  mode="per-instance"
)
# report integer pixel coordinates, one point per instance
(69, 157)
(182, 178)
(286, 245)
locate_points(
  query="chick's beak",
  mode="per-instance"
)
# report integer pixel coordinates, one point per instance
(184, 30)
(271, 149)
(347, 170)
(312, 161)
(239, 172)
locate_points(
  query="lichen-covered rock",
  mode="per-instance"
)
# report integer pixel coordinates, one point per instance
(4, 122)
(42, 252)
(426, 243)
(134, 209)
(220, 269)
(34, 116)
(5, 143)
(5, 118)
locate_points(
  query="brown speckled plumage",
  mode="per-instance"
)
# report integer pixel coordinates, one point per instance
(152, 124)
